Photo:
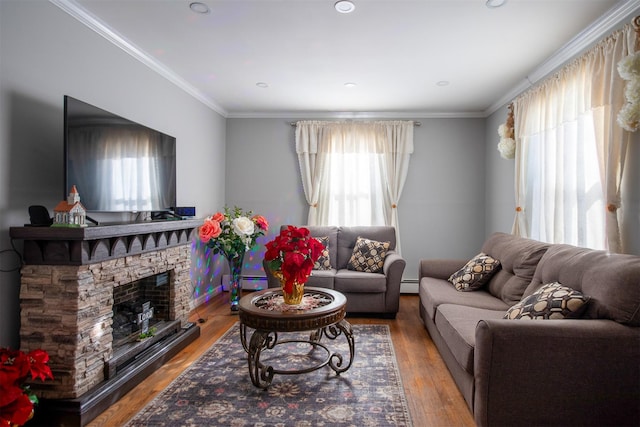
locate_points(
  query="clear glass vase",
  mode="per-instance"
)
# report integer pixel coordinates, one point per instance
(235, 281)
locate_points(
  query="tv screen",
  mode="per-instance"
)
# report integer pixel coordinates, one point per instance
(117, 165)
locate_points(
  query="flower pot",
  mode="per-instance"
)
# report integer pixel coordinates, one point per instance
(295, 296)
(297, 291)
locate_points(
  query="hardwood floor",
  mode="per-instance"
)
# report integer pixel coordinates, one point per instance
(432, 396)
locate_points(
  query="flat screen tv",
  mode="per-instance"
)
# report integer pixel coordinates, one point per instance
(117, 165)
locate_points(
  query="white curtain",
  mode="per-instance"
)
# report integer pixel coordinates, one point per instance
(570, 151)
(353, 172)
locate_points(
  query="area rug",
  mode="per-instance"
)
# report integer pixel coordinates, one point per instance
(216, 390)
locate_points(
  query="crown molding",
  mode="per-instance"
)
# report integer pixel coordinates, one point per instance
(354, 115)
(607, 23)
(93, 23)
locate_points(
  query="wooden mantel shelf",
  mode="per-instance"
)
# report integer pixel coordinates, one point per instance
(88, 245)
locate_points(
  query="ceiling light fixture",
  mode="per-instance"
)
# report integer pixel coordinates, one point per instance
(344, 6)
(350, 84)
(492, 4)
(262, 85)
(199, 7)
(443, 83)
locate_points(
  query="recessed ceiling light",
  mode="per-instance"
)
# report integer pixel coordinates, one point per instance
(199, 7)
(350, 84)
(344, 6)
(263, 85)
(443, 83)
(492, 4)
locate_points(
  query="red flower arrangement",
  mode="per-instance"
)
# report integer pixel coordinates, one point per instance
(293, 253)
(16, 399)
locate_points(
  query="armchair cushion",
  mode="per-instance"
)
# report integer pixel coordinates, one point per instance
(368, 255)
(324, 261)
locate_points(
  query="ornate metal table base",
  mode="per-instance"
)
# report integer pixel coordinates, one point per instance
(322, 313)
(262, 375)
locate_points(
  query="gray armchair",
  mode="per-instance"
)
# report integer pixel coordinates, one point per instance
(366, 292)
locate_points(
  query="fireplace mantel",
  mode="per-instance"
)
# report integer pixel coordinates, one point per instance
(88, 245)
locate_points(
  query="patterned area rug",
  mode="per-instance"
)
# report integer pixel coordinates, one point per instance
(216, 390)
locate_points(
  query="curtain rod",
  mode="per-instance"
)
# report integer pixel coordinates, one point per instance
(414, 123)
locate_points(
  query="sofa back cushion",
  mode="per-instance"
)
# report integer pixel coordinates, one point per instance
(518, 257)
(347, 237)
(612, 281)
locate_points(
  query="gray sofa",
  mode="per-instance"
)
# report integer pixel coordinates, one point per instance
(366, 292)
(570, 372)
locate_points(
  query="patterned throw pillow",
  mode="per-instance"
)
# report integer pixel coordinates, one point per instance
(368, 255)
(475, 273)
(552, 301)
(323, 262)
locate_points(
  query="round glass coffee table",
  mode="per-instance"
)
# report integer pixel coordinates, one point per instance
(322, 312)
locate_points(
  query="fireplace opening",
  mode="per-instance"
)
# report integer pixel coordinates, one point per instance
(140, 319)
(138, 306)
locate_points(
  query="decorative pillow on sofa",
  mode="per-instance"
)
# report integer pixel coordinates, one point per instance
(323, 262)
(475, 273)
(368, 255)
(551, 301)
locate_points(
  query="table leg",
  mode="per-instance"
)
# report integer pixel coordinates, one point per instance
(261, 375)
(336, 361)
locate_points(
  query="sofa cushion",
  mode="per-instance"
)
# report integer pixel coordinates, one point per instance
(368, 255)
(552, 301)
(322, 279)
(323, 262)
(610, 280)
(457, 326)
(518, 259)
(359, 282)
(475, 273)
(435, 292)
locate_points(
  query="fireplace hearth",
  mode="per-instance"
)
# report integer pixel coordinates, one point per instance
(110, 306)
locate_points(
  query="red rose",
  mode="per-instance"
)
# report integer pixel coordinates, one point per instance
(218, 217)
(209, 230)
(261, 222)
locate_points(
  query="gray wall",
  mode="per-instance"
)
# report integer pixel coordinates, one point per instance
(46, 54)
(442, 208)
(499, 175)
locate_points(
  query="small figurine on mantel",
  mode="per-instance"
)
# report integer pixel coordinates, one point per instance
(70, 212)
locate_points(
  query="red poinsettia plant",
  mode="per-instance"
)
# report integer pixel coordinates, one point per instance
(293, 253)
(16, 399)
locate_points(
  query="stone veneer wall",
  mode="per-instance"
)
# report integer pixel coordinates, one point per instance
(67, 311)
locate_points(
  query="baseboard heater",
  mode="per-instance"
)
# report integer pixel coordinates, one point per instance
(409, 286)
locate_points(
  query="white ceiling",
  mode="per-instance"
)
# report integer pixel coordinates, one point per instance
(396, 51)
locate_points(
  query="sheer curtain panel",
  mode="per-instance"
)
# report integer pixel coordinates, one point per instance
(353, 172)
(570, 151)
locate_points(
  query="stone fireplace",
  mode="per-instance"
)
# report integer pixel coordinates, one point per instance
(69, 286)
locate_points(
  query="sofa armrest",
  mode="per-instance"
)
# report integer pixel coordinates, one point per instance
(272, 281)
(439, 268)
(393, 269)
(528, 371)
